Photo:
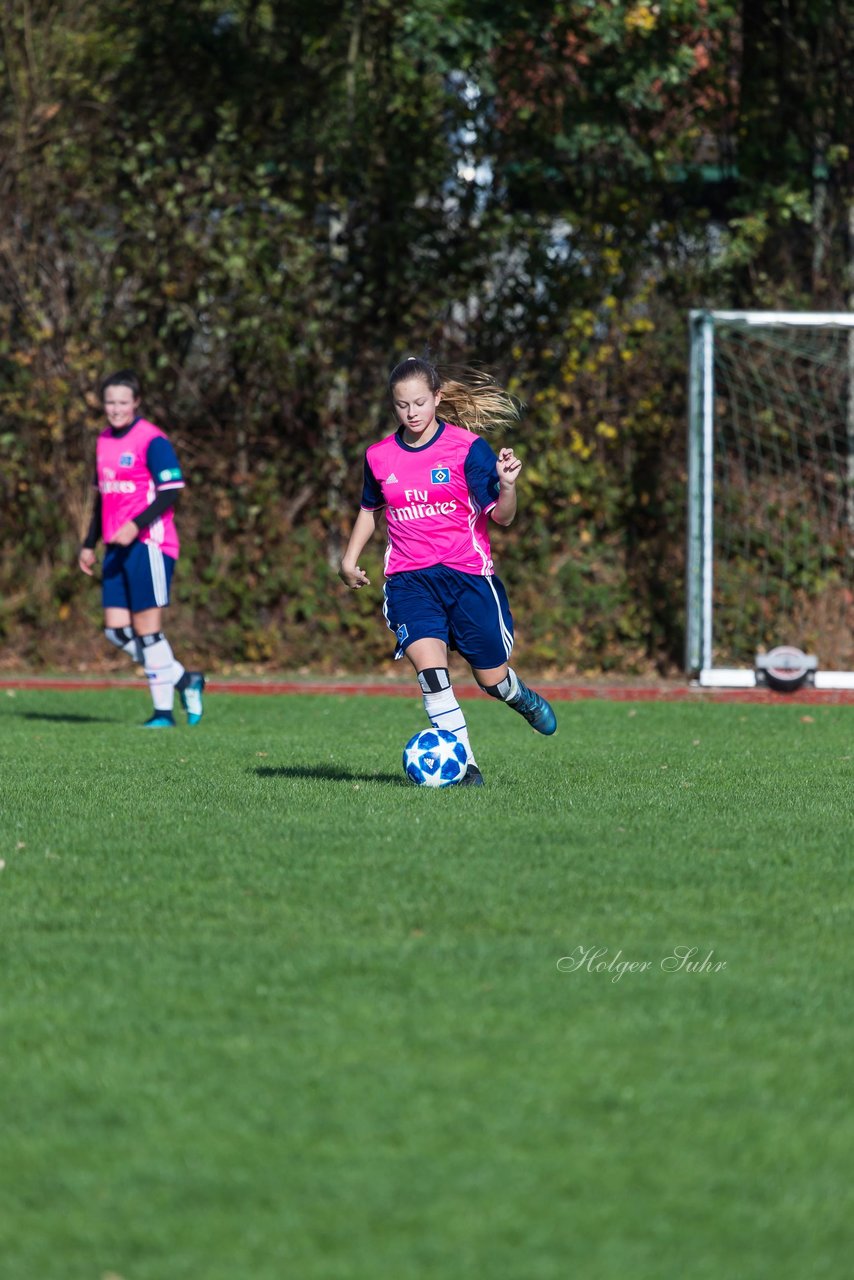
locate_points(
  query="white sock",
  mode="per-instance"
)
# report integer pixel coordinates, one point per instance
(160, 667)
(444, 711)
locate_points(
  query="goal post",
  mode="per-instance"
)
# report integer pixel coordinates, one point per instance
(770, 538)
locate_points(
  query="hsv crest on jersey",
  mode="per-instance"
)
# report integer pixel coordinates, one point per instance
(126, 460)
(440, 475)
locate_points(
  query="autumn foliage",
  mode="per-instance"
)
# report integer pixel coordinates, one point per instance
(261, 206)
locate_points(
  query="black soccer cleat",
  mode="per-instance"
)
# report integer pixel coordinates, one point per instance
(472, 777)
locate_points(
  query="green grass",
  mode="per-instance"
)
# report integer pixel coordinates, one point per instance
(266, 1011)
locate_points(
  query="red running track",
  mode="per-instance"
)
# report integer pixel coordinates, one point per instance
(557, 692)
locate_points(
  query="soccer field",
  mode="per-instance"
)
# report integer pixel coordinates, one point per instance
(268, 1011)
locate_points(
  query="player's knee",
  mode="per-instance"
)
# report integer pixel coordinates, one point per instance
(501, 691)
(434, 679)
(119, 636)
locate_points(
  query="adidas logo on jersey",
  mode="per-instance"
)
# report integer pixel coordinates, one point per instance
(392, 479)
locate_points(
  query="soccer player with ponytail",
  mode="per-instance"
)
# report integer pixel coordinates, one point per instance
(440, 483)
(138, 478)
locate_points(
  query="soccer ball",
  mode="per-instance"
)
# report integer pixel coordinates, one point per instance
(434, 758)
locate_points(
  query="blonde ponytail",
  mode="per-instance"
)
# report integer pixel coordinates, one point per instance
(474, 400)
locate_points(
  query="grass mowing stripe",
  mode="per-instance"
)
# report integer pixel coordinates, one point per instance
(267, 1010)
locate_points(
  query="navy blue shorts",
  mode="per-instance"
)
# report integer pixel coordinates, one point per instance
(469, 612)
(136, 577)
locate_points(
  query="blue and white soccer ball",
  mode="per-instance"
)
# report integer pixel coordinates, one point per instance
(434, 758)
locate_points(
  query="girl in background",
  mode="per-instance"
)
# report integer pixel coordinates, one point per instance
(138, 479)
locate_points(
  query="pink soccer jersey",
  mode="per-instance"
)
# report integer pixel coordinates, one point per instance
(437, 500)
(127, 484)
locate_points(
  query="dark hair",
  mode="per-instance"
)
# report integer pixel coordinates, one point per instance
(124, 378)
(471, 399)
(415, 367)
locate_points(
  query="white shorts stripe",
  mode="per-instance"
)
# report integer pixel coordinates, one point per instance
(506, 637)
(158, 574)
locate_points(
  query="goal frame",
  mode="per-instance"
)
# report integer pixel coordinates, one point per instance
(700, 549)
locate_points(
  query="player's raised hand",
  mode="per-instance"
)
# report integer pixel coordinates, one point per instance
(509, 467)
(354, 577)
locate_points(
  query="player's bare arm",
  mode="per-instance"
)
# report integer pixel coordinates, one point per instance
(350, 572)
(508, 469)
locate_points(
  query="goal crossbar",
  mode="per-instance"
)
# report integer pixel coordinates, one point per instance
(767, 319)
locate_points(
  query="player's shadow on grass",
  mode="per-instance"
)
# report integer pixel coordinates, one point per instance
(326, 773)
(64, 719)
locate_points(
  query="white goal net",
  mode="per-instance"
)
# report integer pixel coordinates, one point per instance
(771, 493)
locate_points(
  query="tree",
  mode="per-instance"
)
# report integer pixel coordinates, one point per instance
(262, 205)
